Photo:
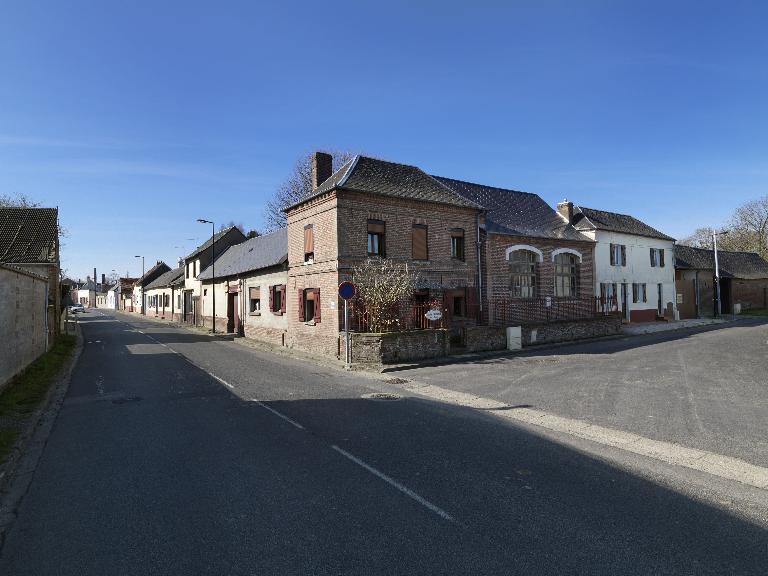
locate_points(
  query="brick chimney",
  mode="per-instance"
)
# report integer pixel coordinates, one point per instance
(322, 168)
(103, 279)
(565, 209)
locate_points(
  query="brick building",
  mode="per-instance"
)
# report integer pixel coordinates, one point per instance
(368, 208)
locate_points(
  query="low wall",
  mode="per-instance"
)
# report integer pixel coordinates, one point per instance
(23, 316)
(484, 338)
(568, 331)
(268, 334)
(394, 347)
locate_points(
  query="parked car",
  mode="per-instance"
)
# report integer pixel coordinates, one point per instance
(75, 308)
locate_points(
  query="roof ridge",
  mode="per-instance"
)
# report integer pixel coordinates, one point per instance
(485, 185)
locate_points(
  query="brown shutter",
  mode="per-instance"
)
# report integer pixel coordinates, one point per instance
(309, 239)
(623, 255)
(419, 242)
(645, 293)
(652, 262)
(316, 293)
(282, 298)
(613, 256)
(634, 293)
(661, 257)
(272, 299)
(376, 226)
(301, 305)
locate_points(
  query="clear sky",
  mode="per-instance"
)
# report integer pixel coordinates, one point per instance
(136, 118)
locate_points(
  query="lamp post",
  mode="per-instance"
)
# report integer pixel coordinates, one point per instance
(142, 284)
(717, 272)
(213, 270)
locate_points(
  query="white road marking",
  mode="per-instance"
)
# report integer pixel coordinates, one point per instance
(701, 460)
(407, 491)
(227, 384)
(278, 414)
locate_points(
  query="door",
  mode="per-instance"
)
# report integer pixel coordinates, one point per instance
(231, 311)
(660, 305)
(187, 306)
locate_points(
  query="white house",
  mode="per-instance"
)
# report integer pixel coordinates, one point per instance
(634, 263)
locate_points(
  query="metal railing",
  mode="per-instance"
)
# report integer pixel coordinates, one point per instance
(514, 311)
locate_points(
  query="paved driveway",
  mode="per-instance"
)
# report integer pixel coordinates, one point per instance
(705, 388)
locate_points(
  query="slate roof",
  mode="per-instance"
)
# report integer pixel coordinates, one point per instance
(207, 244)
(513, 212)
(152, 273)
(166, 278)
(740, 265)
(364, 174)
(254, 254)
(592, 219)
(29, 235)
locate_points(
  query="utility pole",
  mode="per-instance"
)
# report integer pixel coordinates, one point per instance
(718, 303)
(213, 270)
(143, 311)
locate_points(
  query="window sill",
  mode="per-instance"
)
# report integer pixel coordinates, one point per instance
(254, 313)
(278, 313)
(310, 323)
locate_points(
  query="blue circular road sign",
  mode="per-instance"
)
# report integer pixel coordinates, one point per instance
(346, 290)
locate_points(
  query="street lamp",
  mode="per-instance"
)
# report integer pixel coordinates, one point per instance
(142, 284)
(717, 271)
(213, 270)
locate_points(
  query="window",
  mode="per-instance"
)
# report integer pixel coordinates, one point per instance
(166, 300)
(457, 243)
(419, 246)
(254, 300)
(376, 232)
(639, 293)
(618, 255)
(458, 305)
(277, 299)
(523, 265)
(178, 301)
(309, 243)
(566, 275)
(309, 305)
(657, 257)
(187, 270)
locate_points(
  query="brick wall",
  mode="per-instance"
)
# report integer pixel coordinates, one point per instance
(750, 293)
(568, 331)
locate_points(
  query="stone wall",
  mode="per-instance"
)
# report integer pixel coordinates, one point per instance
(569, 331)
(395, 347)
(482, 338)
(23, 323)
(750, 293)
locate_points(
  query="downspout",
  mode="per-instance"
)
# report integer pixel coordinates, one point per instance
(479, 266)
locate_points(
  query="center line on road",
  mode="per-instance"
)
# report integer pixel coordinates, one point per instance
(227, 384)
(407, 491)
(278, 414)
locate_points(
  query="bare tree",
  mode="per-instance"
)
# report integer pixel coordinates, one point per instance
(252, 233)
(701, 238)
(384, 288)
(298, 184)
(748, 227)
(17, 201)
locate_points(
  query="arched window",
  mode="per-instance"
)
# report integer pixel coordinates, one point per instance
(523, 265)
(566, 275)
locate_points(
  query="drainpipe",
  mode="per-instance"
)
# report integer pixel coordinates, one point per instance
(479, 266)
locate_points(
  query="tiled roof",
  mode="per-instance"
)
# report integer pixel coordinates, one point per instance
(29, 235)
(364, 174)
(218, 236)
(513, 212)
(254, 254)
(150, 274)
(742, 265)
(166, 278)
(591, 219)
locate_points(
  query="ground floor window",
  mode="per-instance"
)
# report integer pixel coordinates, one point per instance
(254, 300)
(277, 299)
(459, 305)
(566, 275)
(309, 305)
(639, 293)
(523, 267)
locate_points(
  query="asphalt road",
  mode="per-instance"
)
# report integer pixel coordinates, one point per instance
(155, 466)
(701, 388)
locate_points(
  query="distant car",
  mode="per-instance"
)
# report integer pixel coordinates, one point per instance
(76, 308)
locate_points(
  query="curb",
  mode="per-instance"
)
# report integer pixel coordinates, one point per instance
(21, 465)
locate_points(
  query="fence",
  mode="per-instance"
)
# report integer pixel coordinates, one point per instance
(515, 312)
(398, 318)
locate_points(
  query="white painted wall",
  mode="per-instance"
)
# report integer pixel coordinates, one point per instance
(638, 269)
(265, 318)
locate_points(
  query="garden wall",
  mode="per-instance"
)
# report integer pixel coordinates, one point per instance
(568, 331)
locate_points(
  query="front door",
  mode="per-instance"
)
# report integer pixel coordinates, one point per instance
(231, 311)
(660, 305)
(624, 302)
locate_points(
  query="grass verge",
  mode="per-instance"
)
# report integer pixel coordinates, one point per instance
(25, 392)
(754, 312)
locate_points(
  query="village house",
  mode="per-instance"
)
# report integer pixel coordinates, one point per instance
(743, 281)
(120, 295)
(140, 286)
(250, 288)
(192, 311)
(162, 295)
(634, 270)
(374, 208)
(29, 240)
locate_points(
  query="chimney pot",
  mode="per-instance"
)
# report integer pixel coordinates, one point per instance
(322, 168)
(565, 209)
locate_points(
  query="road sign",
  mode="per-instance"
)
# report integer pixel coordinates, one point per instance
(433, 314)
(346, 290)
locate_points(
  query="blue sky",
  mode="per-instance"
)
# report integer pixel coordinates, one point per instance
(137, 118)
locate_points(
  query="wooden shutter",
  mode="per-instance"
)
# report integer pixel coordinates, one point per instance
(661, 257)
(316, 293)
(623, 255)
(282, 298)
(653, 262)
(613, 256)
(309, 239)
(272, 299)
(301, 305)
(645, 293)
(419, 249)
(634, 292)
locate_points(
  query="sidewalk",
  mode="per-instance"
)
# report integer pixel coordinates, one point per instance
(653, 327)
